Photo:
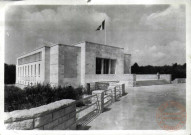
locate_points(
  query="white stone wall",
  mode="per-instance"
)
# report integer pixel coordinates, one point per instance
(69, 65)
(127, 63)
(89, 52)
(142, 77)
(94, 50)
(128, 79)
(54, 62)
(82, 62)
(47, 65)
(59, 115)
(166, 77)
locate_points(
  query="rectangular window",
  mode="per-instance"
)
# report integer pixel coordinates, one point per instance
(28, 70)
(105, 66)
(25, 70)
(98, 65)
(18, 71)
(35, 70)
(31, 70)
(39, 69)
(113, 65)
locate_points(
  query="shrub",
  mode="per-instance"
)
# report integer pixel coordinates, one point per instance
(34, 96)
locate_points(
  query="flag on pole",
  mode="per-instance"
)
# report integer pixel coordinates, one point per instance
(102, 26)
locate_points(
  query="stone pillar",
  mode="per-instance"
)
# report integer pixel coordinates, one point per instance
(158, 76)
(112, 88)
(100, 95)
(123, 89)
(109, 66)
(102, 66)
(134, 80)
(114, 94)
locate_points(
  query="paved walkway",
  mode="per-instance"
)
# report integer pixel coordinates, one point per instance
(137, 109)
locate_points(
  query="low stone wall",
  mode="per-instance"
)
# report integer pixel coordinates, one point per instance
(128, 79)
(141, 77)
(179, 80)
(166, 77)
(59, 115)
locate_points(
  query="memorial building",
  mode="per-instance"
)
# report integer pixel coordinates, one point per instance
(75, 65)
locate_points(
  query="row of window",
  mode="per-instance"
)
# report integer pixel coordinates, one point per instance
(29, 70)
(105, 66)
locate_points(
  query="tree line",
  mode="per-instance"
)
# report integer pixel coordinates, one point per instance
(176, 70)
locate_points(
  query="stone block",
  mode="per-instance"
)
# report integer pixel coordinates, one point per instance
(63, 119)
(73, 114)
(60, 127)
(42, 120)
(70, 109)
(70, 122)
(58, 113)
(39, 128)
(20, 125)
(51, 125)
(72, 127)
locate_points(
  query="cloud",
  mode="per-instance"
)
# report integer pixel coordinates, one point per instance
(171, 18)
(160, 55)
(63, 18)
(28, 26)
(153, 35)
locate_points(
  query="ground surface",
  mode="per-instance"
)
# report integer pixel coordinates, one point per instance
(137, 109)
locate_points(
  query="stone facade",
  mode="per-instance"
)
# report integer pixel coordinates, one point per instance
(74, 65)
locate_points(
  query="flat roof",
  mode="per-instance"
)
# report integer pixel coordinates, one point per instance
(98, 44)
(54, 44)
(32, 51)
(49, 45)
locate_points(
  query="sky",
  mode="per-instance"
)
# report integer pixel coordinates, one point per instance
(152, 34)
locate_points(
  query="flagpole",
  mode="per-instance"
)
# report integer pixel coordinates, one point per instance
(105, 32)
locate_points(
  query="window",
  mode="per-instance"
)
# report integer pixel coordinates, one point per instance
(31, 70)
(28, 70)
(25, 70)
(35, 70)
(105, 66)
(39, 69)
(98, 65)
(18, 71)
(113, 65)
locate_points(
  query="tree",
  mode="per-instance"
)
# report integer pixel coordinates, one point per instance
(176, 70)
(9, 74)
(135, 68)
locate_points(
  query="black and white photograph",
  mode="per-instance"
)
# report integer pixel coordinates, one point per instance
(95, 67)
